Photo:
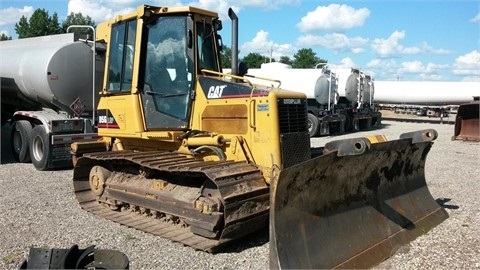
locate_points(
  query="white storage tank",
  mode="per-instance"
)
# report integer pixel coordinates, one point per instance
(425, 92)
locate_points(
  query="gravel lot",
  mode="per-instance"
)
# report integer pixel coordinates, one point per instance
(39, 209)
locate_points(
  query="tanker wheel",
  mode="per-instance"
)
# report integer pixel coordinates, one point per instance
(313, 124)
(39, 148)
(21, 133)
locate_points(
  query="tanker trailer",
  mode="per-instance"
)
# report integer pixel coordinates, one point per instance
(47, 96)
(322, 116)
(355, 101)
(320, 87)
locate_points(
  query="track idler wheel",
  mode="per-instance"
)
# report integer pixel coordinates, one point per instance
(97, 178)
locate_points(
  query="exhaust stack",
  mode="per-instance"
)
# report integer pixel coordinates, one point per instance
(234, 19)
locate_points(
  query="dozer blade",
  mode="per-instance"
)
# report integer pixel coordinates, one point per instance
(354, 206)
(467, 122)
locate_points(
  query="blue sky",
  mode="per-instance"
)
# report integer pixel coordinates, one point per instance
(407, 40)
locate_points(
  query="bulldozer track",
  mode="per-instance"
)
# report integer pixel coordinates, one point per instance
(244, 196)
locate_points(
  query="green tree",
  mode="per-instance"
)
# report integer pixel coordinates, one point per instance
(285, 60)
(77, 19)
(254, 60)
(306, 58)
(39, 24)
(226, 57)
(5, 37)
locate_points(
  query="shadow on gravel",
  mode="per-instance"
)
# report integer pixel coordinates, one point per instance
(383, 125)
(256, 239)
(443, 203)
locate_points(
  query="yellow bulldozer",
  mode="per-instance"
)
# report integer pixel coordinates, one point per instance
(203, 158)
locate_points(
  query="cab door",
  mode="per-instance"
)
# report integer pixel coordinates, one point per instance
(167, 83)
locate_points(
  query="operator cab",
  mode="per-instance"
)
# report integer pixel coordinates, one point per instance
(174, 48)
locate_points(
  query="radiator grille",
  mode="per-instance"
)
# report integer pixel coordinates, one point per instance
(294, 137)
(292, 115)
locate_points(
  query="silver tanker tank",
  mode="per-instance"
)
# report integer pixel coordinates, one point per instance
(367, 90)
(352, 89)
(51, 70)
(326, 88)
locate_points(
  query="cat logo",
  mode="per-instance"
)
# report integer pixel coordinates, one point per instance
(216, 91)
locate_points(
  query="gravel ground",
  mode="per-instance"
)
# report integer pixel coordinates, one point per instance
(38, 209)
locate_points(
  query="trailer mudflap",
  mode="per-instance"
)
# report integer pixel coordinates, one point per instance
(352, 207)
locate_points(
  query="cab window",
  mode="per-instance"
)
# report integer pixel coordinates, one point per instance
(120, 65)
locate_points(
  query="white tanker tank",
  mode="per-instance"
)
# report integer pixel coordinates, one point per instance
(47, 94)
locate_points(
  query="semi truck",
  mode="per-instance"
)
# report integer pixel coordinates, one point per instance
(338, 99)
(48, 97)
(203, 158)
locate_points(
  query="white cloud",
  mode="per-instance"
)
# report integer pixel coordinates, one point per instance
(420, 68)
(101, 10)
(476, 19)
(263, 4)
(468, 65)
(389, 69)
(384, 68)
(222, 6)
(424, 47)
(98, 11)
(219, 6)
(391, 46)
(12, 15)
(262, 45)
(333, 17)
(336, 42)
(386, 64)
(347, 62)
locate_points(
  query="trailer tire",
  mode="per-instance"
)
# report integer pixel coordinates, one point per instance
(39, 148)
(20, 139)
(313, 124)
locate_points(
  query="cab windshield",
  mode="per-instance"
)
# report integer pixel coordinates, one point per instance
(169, 67)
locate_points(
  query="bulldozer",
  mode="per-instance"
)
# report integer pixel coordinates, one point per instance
(204, 158)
